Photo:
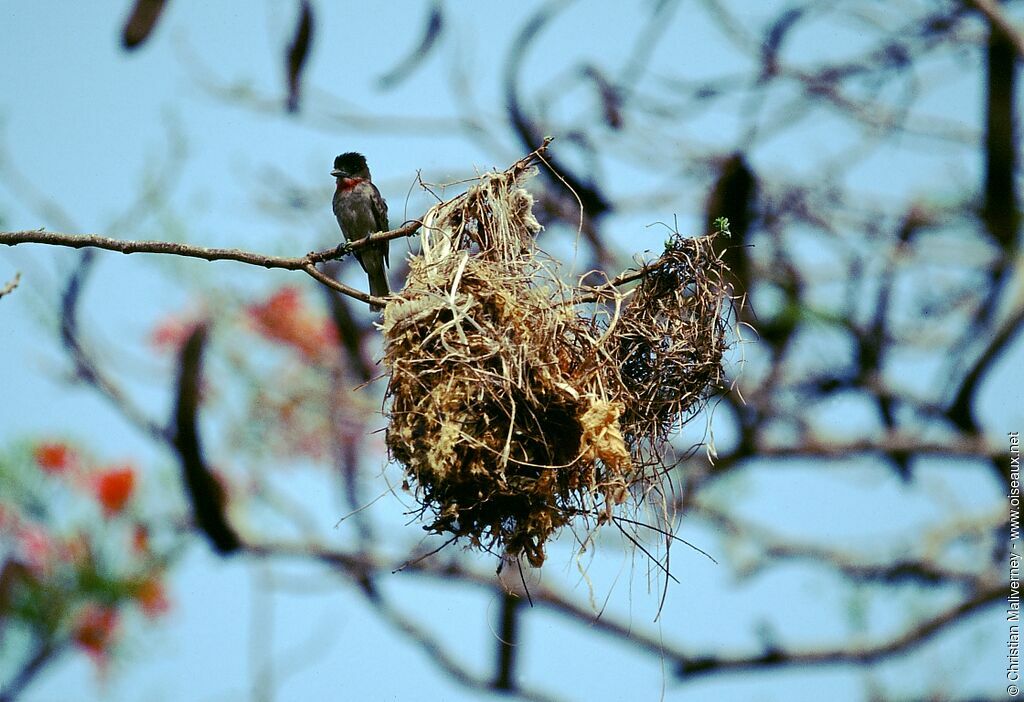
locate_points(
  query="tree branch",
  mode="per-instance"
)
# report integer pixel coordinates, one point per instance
(305, 263)
(961, 410)
(11, 285)
(508, 643)
(363, 565)
(1000, 21)
(44, 653)
(689, 668)
(85, 367)
(437, 652)
(294, 263)
(205, 494)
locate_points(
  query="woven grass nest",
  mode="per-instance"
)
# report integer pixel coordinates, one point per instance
(519, 403)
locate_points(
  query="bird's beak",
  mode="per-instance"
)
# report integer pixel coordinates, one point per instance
(338, 173)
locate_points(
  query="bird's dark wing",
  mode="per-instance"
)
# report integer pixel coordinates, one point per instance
(380, 215)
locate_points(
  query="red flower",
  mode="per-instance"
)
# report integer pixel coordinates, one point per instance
(54, 457)
(114, 488)
(284, 318)
(152, 597)
(95, 630)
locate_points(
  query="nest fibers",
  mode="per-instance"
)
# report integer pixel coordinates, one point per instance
(519, 403)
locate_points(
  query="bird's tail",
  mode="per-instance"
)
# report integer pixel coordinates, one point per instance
(374, 265)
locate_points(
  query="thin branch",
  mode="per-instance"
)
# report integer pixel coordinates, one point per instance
(965, 445)
(85, 367)
(960, 410)
(344, 249)
(9, 287)
(333, 284)
(774, 549)
(44, 654)
(440, 655)
(608, 289)
(565, 182)
(206, 496)
(306, 263)
(508, 643)
(362, 566)
(79, 241)
(913, 637)
(1000, 21)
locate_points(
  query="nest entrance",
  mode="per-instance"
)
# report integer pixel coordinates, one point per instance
(519, 403)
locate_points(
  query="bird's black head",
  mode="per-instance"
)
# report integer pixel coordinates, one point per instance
(351, 165)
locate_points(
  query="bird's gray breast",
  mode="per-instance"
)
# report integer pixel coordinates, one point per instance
(355, 212)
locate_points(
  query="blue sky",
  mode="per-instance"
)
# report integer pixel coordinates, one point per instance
(85, 124)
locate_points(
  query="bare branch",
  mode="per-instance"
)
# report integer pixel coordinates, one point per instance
(858, 568)
(689, 668)
(85, 366)
(960, 411)
(965, 445)
(341, 287)
(437, 652)
(508, 643)
(608, 289)
(10, 286)
(80, 241)
(43, 655)
(1000, 21)
(305, 263)
(362, 565)
(206, 496)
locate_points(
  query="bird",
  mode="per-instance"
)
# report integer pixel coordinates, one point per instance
(361, 211)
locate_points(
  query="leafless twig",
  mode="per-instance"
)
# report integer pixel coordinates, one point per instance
(304, 263)
(1000, 21)
(9, 287)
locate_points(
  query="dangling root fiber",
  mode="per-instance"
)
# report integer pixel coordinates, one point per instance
(515, 405)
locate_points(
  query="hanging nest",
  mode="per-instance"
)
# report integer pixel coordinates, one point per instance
(519, 403)
(668, 343)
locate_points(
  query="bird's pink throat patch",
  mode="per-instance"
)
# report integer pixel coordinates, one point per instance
(346, 184)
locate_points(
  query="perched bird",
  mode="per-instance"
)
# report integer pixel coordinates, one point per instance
(361, 211)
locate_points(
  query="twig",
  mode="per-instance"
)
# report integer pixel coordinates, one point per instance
(9, 288)
(508, 643)
(80, 241)
(206, 497)
(306, 263)
(608, 289)
(342, 250)
(960, 410)
(333, 284)
(911, 638)
(430, 645)
(44, 654)
(85, 366)
(965, 444)
(857, 567)
(689, 666)
(1000, 21)
(296, 263)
